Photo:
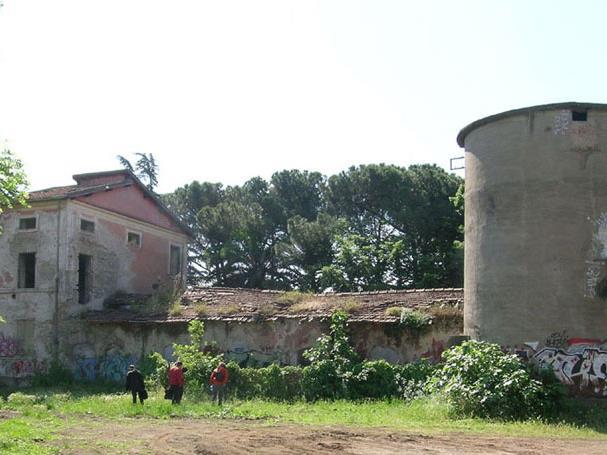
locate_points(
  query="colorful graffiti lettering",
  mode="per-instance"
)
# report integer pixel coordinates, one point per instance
(585, 370)
(114, 366)
(20, 368)
(111, 367)
(9, 347)
(23, 367)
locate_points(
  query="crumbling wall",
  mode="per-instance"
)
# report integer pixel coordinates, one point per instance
(103, 351)
(26, 337)
(117, 266)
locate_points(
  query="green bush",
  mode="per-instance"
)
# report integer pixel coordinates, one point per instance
(413, 377)
(478, 379)
(56, 375)
(332, 363)
(375, 379)
(415, 319)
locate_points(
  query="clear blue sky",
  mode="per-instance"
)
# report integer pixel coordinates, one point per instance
(227, 90)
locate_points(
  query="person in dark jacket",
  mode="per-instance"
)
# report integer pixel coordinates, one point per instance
(134, 383)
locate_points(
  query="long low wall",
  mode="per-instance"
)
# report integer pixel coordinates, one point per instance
(104, 351)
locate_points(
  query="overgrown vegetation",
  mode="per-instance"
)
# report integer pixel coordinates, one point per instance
(475, 380)
(478, 379)
(415, 319)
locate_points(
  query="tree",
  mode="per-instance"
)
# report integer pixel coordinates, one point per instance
(368, 228)
(13, 182)
(145, 168)
(402, 216)
(306, 250)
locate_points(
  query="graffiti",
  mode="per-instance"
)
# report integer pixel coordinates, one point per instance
(561, 122)
(20, 368)
(9, 347)
(114, 366)
(253, 358)
(111, 367)
(86, 369)
(435, 352)
(585, 371)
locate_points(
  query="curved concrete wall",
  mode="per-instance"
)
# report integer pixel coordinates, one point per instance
(536, 224)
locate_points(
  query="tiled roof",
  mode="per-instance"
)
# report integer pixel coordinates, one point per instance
(95, 185)
(250, 305)
(58, 192)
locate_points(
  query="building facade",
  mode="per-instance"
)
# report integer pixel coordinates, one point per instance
(70, 250)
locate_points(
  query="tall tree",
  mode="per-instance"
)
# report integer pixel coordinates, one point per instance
(145, 168)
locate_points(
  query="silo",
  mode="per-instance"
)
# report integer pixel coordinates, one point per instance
(536, 224)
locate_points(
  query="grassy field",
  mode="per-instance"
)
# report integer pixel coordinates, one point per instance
(32, 418)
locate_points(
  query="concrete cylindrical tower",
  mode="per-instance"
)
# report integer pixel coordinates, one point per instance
(536, 224)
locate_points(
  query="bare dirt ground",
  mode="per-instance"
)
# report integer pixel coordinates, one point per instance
(195, 436)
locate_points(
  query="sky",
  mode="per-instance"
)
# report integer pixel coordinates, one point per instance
(224, 91)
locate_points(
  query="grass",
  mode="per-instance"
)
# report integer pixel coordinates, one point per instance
(312, 304)
(175, 309)
(294, 297)
(36, 416)
(227, 310)
(201, 308)
(394, 311)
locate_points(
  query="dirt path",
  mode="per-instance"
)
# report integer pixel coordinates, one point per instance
(195, 436)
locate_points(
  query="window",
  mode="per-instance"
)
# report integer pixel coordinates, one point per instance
(27, 270)
(133, 239)
(175, 260)
(84, 278)
(87, 225)
(27, 224)
(579, 116)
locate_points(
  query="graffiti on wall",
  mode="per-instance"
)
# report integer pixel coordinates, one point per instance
(246, 357)
(110, 367)
(579, 363)
(20, 368)
(9, 347)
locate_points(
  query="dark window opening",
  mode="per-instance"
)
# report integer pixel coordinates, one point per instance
(175, 260)
(84, 278)
(579, 116)
(134, 239)
(27, 223)
(27, 270)
(87, 226)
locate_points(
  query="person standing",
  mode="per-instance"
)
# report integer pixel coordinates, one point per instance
(219, 381)
(134, 383)
(176, 382)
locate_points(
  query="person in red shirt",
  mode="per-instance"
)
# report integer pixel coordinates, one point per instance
(219, 380)
(176, 382)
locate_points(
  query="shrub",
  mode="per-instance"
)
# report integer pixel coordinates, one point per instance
(413, 377)
(332, 361)
(56, 375)
(478, 379)
(375, 379)
(394, 311)
(272, 382)
(415, 319)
